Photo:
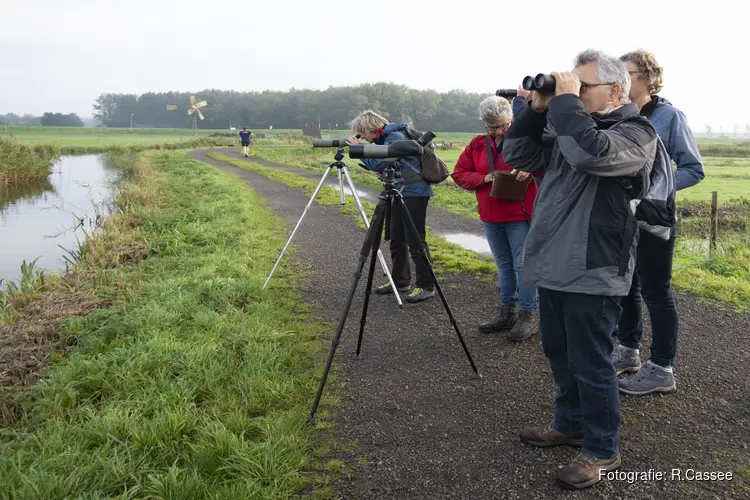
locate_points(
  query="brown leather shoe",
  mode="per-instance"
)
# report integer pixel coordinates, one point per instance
(584, 471)
(548, 436)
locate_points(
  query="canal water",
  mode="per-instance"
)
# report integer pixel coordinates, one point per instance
(42, 220)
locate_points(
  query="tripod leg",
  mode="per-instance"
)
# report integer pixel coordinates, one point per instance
(377, 229)
(309, 204)
(366, 247)
(341, 186)
(411, 229)
(367, 226)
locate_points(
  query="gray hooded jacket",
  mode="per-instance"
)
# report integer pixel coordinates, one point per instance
(583, 234)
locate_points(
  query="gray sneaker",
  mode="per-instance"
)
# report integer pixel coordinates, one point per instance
(419, 294)
(650, 378)
(626, 360)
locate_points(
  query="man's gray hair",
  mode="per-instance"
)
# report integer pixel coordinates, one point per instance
(494, 108)
(611, 69)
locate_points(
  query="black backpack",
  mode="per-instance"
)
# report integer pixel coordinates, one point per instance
(434, 170)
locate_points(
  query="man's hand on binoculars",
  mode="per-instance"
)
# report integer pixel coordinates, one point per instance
(540, 101)
(567, 83)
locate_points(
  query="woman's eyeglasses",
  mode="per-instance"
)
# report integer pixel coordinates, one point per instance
(492, 128)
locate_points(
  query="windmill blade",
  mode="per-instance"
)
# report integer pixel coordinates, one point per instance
(201, 104)
(192, 100)
(199, 114)
(191, 111)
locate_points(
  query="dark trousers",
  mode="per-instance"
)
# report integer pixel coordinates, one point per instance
(403, 245)
(652, 283)
(576, 331)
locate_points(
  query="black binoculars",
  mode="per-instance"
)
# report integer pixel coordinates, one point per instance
(541, 83)
(506, 93)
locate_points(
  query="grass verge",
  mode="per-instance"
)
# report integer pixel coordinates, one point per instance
(22, 163)
(193, 383)
(136, 147)
(447, 257)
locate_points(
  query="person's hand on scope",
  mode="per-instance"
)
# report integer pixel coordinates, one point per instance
(567, 83)
(352, 140)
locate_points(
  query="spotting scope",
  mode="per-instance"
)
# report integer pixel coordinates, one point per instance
(332, 143)
(396, 149)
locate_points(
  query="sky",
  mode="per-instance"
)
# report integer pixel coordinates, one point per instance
(60, 56)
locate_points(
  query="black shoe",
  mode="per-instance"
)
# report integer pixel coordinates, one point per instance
(505, 320)
(526, 325)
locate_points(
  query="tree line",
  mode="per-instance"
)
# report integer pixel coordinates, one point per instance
(454, 111)
(46, 120)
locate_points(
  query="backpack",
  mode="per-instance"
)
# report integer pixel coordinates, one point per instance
(652, 195)
(434, 170)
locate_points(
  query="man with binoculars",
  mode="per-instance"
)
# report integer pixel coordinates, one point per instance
(580, 247)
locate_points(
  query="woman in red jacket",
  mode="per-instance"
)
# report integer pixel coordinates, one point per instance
(506, 222)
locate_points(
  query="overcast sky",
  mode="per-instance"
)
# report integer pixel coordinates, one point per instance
(60, 55)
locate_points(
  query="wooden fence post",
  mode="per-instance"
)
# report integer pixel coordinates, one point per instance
(714, 219)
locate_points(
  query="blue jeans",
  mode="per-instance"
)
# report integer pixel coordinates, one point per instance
(576, 332)
(506, 241)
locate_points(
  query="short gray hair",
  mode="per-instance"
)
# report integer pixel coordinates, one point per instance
(494, 108)
(611, 69)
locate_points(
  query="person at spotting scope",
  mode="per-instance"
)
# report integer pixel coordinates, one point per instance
(416, 194)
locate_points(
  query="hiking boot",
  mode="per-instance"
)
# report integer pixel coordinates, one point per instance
(650, 378)
(505, 320)
(626, 360)
(527, 324)
(584, 471)
(387, 288)
(543, 437)
(419, 294)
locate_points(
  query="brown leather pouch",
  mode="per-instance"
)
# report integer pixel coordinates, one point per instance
(505, 186)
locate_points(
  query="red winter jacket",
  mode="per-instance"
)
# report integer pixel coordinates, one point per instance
(469, 173)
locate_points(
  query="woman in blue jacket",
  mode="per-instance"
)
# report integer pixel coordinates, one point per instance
(416, 193)
(653, 275)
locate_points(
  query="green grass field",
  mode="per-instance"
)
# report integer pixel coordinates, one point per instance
(193, 383)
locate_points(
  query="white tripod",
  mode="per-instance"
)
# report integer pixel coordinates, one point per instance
(341, 166)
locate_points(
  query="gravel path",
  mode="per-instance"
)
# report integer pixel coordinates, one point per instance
(425, 428)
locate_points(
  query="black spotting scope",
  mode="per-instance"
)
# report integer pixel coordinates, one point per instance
(396, 149)
(506, 93)
(334, 143)
(542, 82)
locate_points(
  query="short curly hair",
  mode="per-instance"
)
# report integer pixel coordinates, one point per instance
(648, 68)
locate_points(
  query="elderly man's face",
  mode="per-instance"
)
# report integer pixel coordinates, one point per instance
(596, 95)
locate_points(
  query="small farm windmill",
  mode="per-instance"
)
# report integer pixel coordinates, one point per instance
(196, 112)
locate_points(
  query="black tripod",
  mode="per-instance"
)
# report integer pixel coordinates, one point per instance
(389, 197)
